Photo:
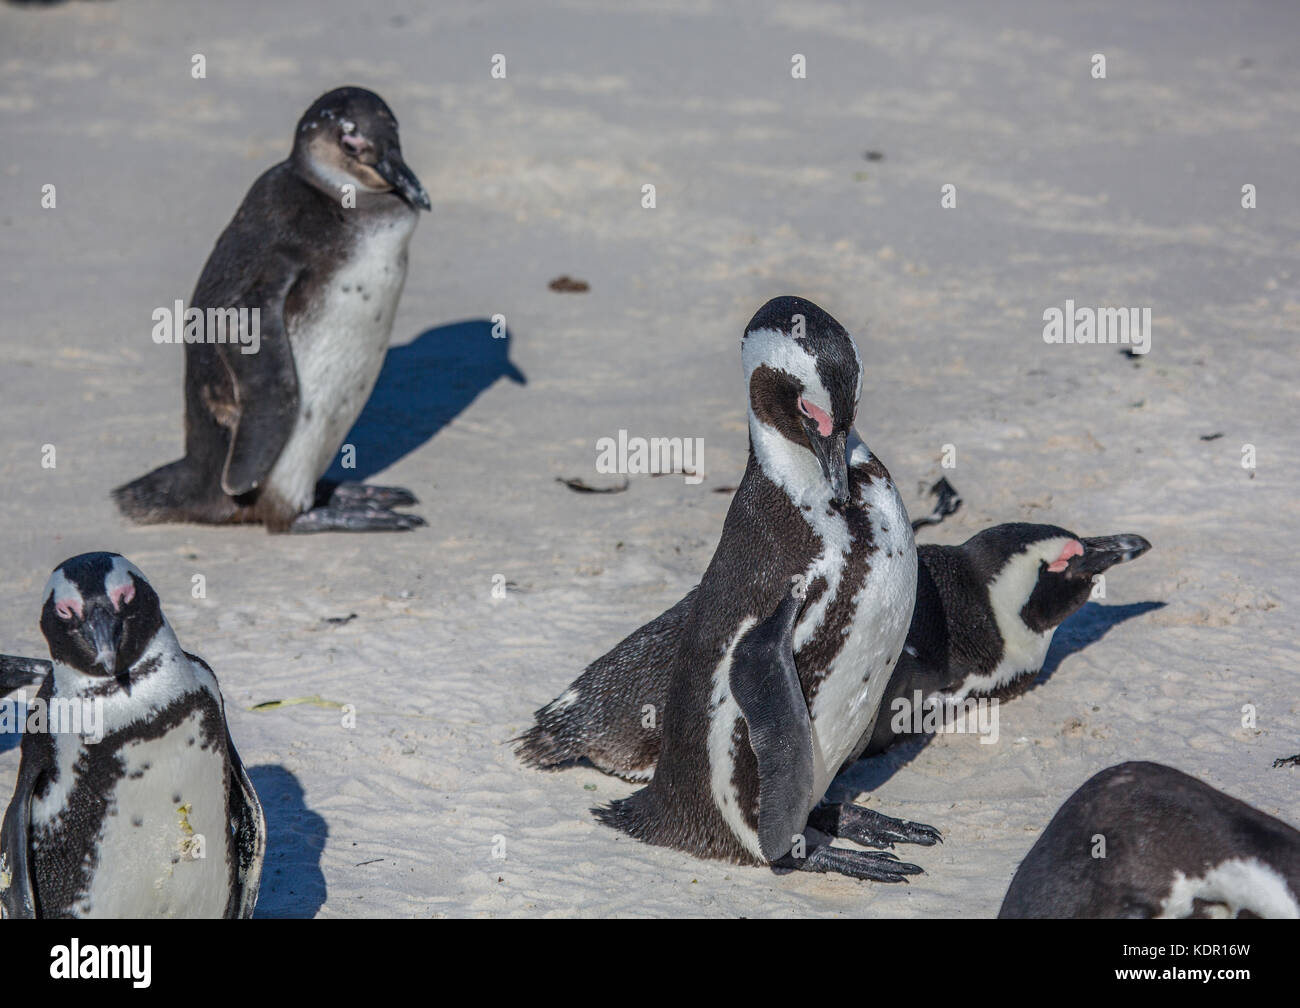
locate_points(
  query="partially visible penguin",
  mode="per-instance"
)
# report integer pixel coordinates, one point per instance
(137, 805)
(984, 617)
(17, 672)
(1173, 847)
(786, 646)
(986, 611)
(318, 248)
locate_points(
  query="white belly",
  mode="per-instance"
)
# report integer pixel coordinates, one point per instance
(160, 856)
(845, 704)
(338, 351)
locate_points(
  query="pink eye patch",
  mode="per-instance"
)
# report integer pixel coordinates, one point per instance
(818, 416)
(66, 608)
(122, 595)
(1073, 548)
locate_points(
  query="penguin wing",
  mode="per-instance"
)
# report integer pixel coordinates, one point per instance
(17, 894)
(264, 382)
(765, 685)
(247, 821)
(249, 825)
(16, 672)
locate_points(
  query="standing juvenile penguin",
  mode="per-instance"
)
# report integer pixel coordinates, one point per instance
(791, 635)
(1173, 847)
(318, 249)
(985, 614)
(134, 802)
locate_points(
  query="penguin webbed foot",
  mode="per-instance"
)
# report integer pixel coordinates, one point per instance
(874, 866)
(353, 519)
(350, 496)
(870, 828)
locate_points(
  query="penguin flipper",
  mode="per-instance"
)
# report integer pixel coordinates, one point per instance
(17, 894)
(249, 824)
(16, 672)
(247, 820)
(265, 385)
(765, 685)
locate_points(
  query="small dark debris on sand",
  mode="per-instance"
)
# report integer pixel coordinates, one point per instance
(948, 503)
(579, 485)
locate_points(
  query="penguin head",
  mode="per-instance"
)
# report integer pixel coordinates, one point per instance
(349, 137)
(804, 378)
(1043, 573)
(99, 615)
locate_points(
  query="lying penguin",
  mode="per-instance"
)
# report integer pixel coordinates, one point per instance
(774, 667)
(984, 617)
(318, 250)
(986, 612)
(1173, 847)
(152, 814)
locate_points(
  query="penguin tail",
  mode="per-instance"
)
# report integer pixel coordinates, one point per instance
(543, 747)
(164, 495)
(628, 816)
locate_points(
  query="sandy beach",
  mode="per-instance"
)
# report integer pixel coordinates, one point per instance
(1122, 191)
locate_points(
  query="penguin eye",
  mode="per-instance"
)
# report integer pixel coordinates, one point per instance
(818, 416)
(65, 609)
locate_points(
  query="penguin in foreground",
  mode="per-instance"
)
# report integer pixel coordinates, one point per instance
(316, 258)
(785, 648)
(983, 621)
(131, 800)
(1173, 846)
(985, 614)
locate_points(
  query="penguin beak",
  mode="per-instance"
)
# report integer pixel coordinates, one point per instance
(103, 635)
(830, 452)
(1103, 552)
(400, 177)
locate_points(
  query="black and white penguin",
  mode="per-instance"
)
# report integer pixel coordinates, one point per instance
(1173, 847)
(786, 646)
(986, 611)
(984, 617)
(131, 801)
(318, 247)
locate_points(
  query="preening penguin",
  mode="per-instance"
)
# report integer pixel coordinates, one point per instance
(786, 646)
(1146, 840)
(316, 254)
(983, 620)
(131, 800)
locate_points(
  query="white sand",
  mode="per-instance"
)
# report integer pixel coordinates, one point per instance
(1117, 192)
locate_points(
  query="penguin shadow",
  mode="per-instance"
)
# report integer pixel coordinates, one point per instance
(422, 387)
(293, 884)
(1087, 626)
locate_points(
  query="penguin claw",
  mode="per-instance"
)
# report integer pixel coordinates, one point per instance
(1287, 761)
(353, 519)
(875, 866)
(870, 828)
(348, 496)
